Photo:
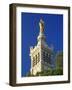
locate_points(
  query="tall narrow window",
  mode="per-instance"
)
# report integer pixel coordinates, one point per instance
(38, 57)
(43, 56)
(33, 61)
(36, 60)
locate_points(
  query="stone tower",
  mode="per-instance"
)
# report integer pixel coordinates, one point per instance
(41, 53)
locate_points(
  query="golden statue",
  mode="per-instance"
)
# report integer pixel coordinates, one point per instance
(41, 25)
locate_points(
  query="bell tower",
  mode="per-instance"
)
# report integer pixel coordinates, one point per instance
(41, 53)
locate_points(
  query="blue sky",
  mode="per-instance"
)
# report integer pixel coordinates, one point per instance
(30, 31)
